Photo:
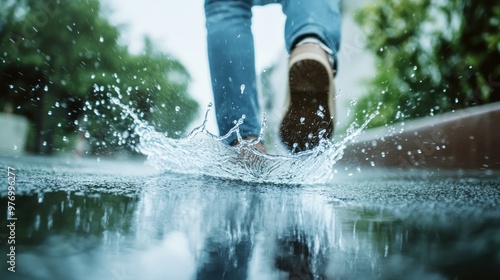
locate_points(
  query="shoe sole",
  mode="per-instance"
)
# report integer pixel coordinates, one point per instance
(309, 116)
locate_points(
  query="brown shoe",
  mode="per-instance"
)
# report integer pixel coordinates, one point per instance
(310, 103)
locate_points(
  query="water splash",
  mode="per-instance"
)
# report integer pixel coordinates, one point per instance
(203, 153)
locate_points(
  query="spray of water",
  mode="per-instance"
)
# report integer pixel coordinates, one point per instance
(203, 153)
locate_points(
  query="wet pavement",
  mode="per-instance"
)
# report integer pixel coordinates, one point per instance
(88, 219)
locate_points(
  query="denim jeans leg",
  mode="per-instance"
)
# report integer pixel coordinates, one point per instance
(321, 18)
(232, 65)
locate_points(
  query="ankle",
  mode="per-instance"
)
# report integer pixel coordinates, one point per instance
(318, 42)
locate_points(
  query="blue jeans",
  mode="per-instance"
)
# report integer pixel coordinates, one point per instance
(231, 52)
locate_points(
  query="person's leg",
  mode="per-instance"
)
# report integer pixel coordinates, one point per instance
(312, 35)
(232, 66)
(319, 18)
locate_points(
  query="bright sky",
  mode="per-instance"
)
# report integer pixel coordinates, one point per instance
(178, 28)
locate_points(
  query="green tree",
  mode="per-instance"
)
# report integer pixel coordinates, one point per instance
(432, 57)
(59, 57)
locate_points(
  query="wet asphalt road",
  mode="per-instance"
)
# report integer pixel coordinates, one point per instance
(114, 219)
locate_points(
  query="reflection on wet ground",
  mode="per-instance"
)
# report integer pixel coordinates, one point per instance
(111, 220)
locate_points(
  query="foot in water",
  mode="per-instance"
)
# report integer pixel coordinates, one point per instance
(309, 115)
(251, 139)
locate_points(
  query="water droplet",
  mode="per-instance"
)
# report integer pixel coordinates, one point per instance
(44, 143)
(399, 147)
(177, 108)
(49, 113)
(15, 148)
(302, 119)
(242, 88)
(101, 39)
(46, 88)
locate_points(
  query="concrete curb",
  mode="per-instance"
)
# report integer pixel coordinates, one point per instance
(464, 139)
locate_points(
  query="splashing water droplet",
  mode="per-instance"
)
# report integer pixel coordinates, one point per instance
(242, 88)
(201, 152)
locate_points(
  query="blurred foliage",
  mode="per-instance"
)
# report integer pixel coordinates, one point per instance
(60, 62)
(431, 57)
